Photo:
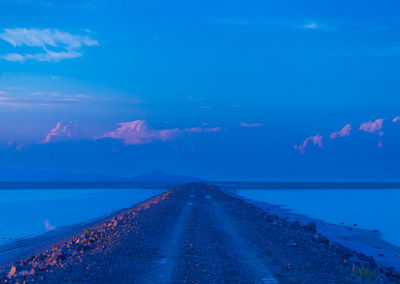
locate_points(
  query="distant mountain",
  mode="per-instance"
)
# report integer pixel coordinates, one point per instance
(160, 176)
(26, 175)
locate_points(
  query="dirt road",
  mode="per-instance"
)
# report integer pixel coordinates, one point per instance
(197, 234)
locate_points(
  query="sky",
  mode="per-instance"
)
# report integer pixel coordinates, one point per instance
(224, 90)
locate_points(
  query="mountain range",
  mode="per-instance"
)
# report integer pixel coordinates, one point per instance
(26, 175)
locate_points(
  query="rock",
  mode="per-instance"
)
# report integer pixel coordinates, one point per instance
(311, 226)
(65, 251)
(12, 272)
(324, 240)
(27, 272)
(61, 256)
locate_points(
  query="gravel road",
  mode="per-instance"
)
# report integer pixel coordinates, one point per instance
(198, 234)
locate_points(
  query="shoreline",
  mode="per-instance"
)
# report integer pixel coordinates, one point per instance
(24, 247)
(367, 242)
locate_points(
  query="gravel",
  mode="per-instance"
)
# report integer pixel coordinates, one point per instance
(198, 234)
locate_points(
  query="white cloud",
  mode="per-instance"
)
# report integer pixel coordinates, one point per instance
(312, 25)
(56, 4)
(42, 99)
(56, 45)
(14, 57)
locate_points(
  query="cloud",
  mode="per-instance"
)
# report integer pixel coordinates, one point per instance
(344, 132)
(244, 124)
(316, 140)
(64, 131)
(25, 102)
(138, 132)
(278, 22)
(200, 129)
(230, 21)
(373, 126)
(369, 127)
(13, 57)
(56, 45)
(54, 4)
(42, 99)
(49, 56)
(314, 26)
(311, 26)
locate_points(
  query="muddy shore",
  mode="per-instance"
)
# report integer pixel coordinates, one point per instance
(198, 233)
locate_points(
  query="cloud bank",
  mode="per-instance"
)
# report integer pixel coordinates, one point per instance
(373, 127)
(138, 132)
(56, 45)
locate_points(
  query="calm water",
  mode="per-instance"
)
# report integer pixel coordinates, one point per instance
(369, 209)
(31, 212)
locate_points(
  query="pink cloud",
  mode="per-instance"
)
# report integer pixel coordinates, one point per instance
(64, 130)
(316, 140)
(373, 126)
(380, 144)
(344, 132)
(396, 119)
(199, 129)
(138, 132)
(244, 124)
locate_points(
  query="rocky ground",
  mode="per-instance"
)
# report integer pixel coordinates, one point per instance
(198, 234)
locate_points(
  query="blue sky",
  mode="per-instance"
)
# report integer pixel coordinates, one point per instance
(224, 90)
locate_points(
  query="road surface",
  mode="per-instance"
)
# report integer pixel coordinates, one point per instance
(196, 234)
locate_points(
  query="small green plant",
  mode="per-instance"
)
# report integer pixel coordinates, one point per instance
(365, 273)
(86, 232)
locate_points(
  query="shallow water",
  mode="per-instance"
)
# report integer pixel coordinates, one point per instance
(26, 213)
(369, 209)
